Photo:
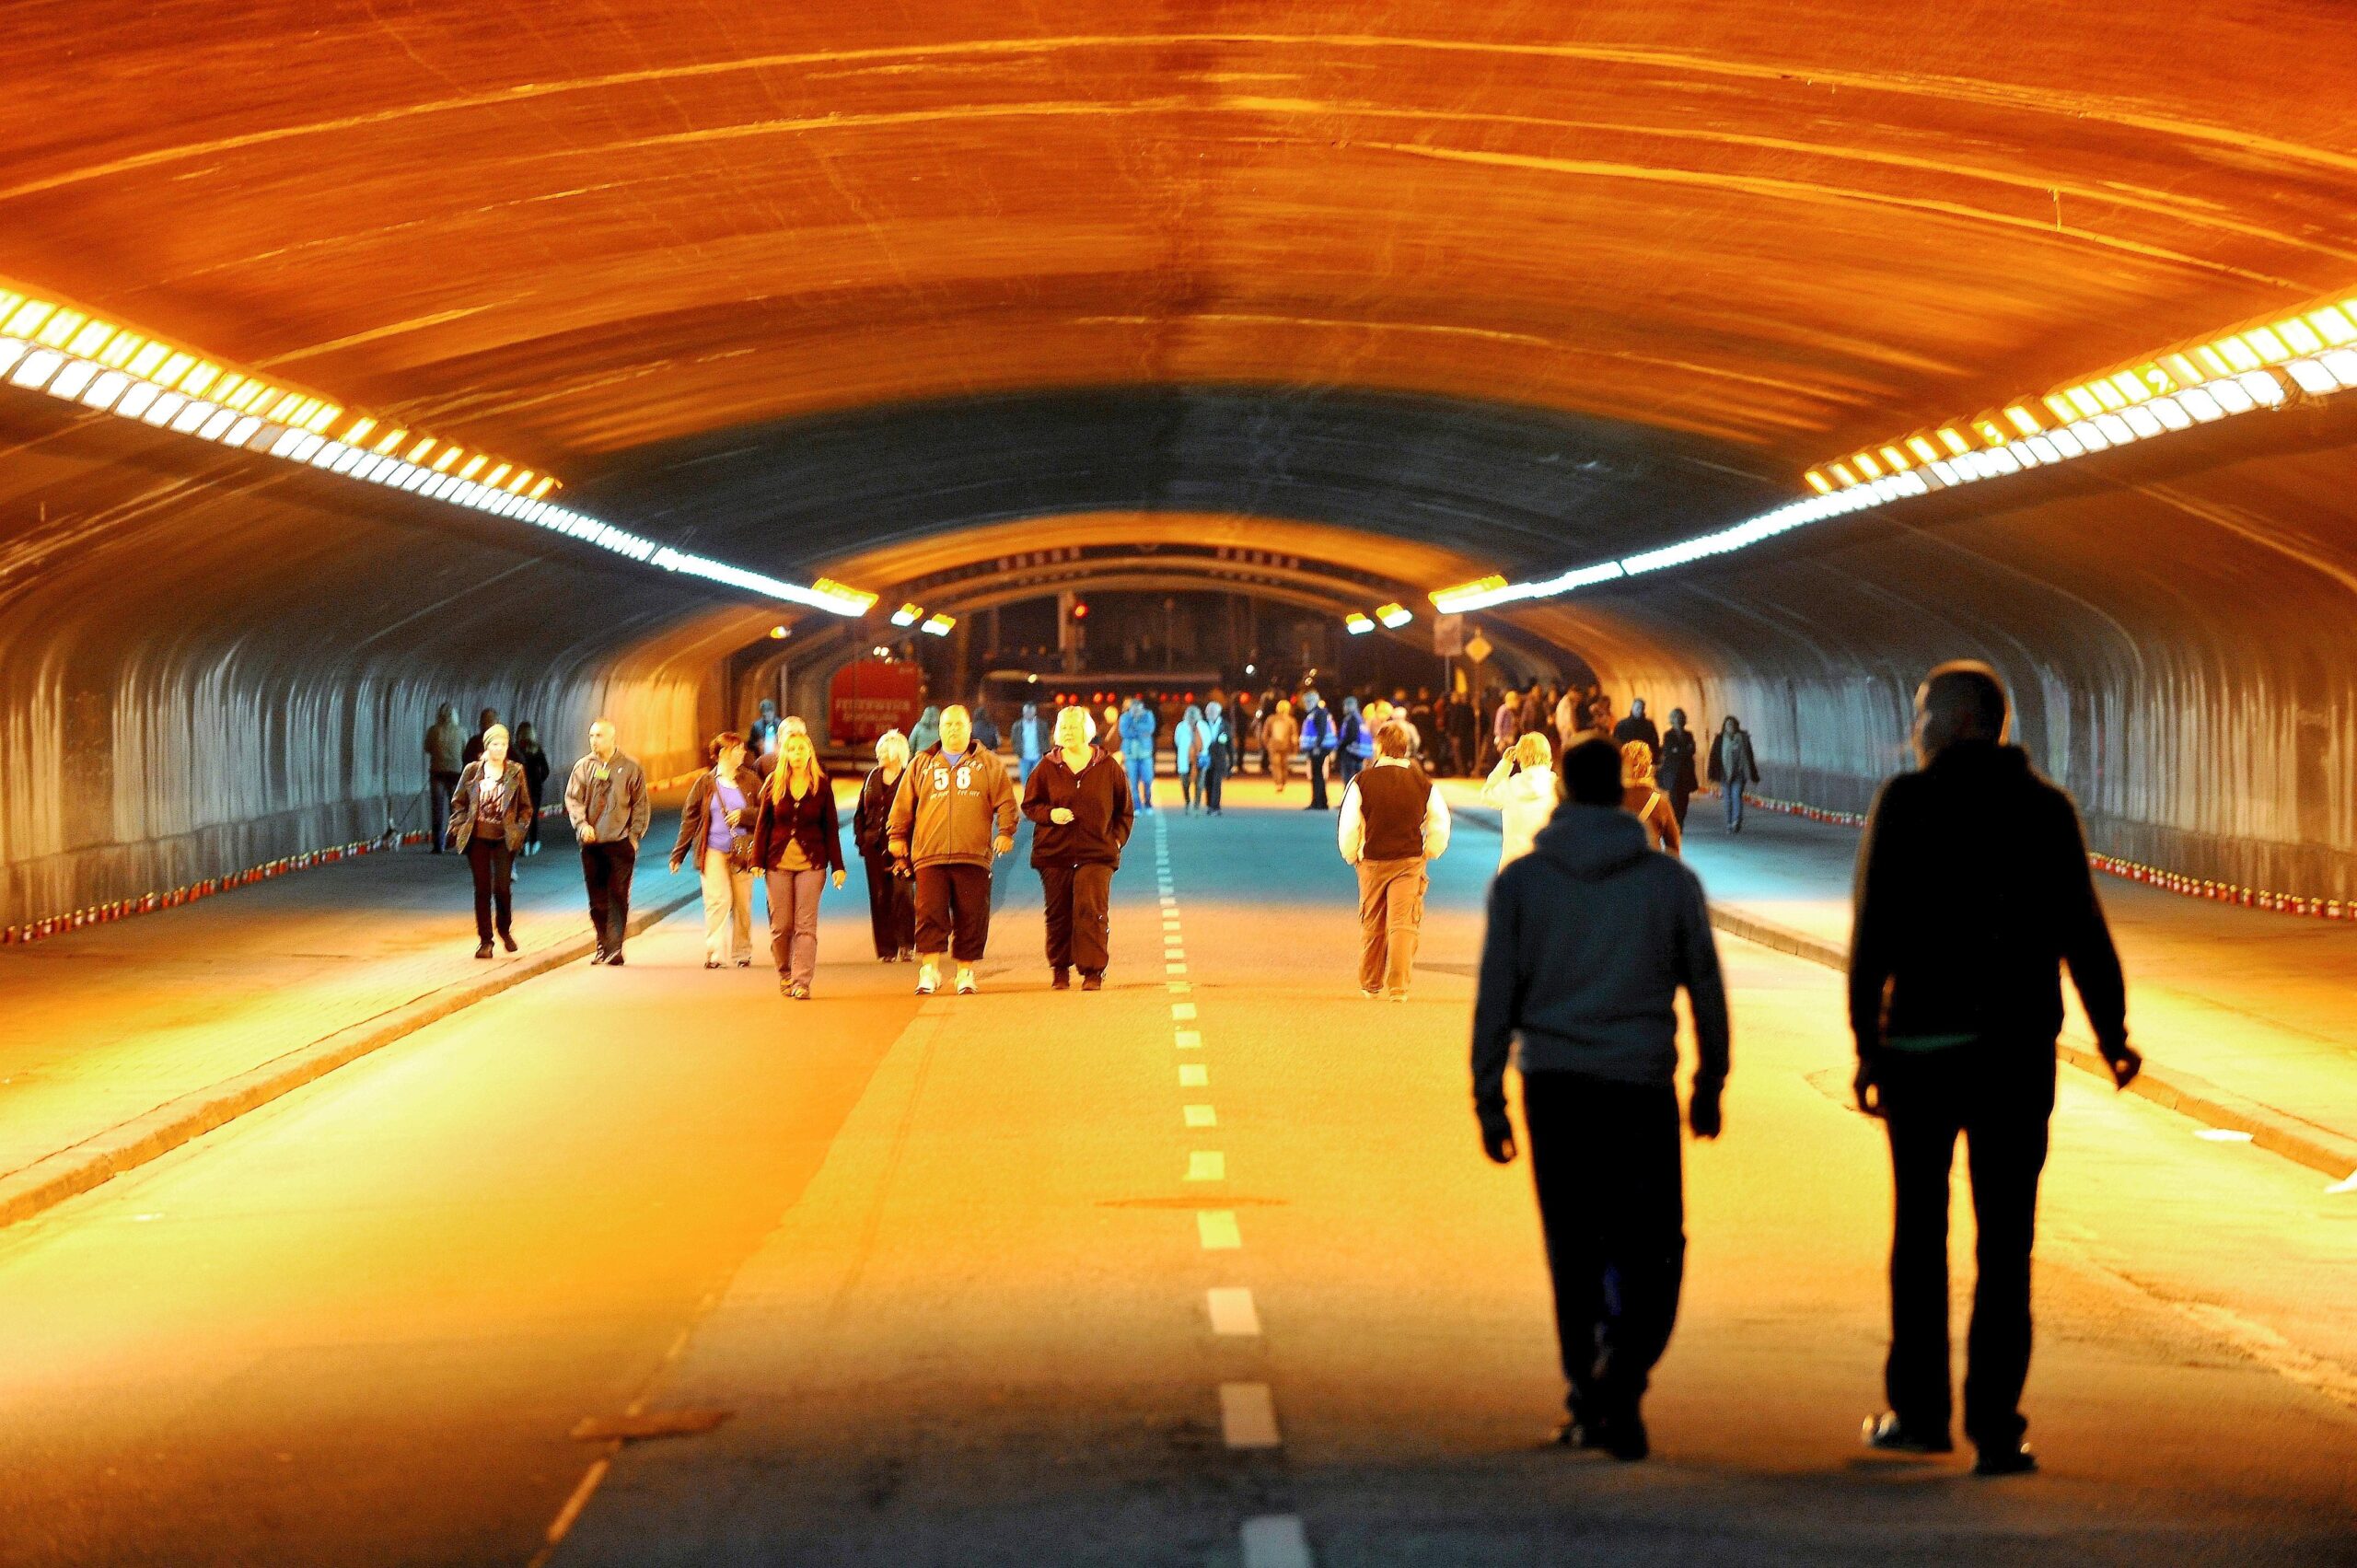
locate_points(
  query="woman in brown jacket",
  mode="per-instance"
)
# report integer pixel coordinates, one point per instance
(491, 811)
(1644, 800)
(716, 832)
(797, 841)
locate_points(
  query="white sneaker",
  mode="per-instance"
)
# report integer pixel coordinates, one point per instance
(965, 981)
(928, 980)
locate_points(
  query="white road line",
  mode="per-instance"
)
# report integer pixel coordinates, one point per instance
(1174, 968)
(1276, 1540)
(1247, 1416)
(1179, 988)
(1194, 1075)
(570, 1511)
(1206, 1165)
(1216, 1228)
(1233, 1313)
(1191, 1039)
(1198, 1116)
(1182, 1009)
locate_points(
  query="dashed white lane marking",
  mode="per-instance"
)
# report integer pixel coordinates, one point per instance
(571, 1513)
(1194, 1075)
(2222, 1135)
(1200, 1115)
(1276, 1540)
(1178, 987)
(2346, 1184)
(1216, 1228)
(1233, 1313)
(1183, 1010)
(1247, 1416)
(1191, 1039)
(1174, 968)
(1168, 902)
(1206, 1165)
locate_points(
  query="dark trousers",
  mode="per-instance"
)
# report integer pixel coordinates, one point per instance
(493, 866)
(1215, 780)
(1611, 1199)
(606, 870)
(440, 787)
(891, 907)
(1998, 1098)
(1317, 761)
(952, 912)
(1679, 798)
(1079, 932)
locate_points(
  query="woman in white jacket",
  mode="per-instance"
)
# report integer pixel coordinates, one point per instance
(1523, 787)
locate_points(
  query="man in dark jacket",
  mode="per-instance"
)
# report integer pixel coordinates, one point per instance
(1674, 768)
(1591, 935)
(1973, 890)
(1637, 727)
(1078, 800)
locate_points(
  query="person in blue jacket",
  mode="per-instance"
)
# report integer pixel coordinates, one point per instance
(1354, 743)
(1318, 740)
(1137, 752)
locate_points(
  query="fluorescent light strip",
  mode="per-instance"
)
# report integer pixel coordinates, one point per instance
(293, 430)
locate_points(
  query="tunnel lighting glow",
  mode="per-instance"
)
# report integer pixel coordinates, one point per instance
(76, 357)
(938, 624)
(907, 615)
(2262, 366)
(1394, 616)
(1359, 625)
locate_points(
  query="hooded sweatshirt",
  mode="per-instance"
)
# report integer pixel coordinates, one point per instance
(949, 809)
(1590, 936)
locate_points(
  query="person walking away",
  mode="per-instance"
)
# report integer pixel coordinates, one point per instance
(716, 832)
(1973, 891)
(954, 812)
(1733, 768)
(490, 810)
(1637, 727)
(1187, 754)
(444, 741)
(1317, 745)
(797, 842)
(1643, 800)
(1354, 743)
(1394, 822)
(1136, 725)
(1219, 756)
(1673, 766)
(605, 798)
(483, 721)
(1523, 787)
(1080, 814)
(926, 732)
(1590, 938)
(527, 751)
(1030, 743)
(1280, 737)
(892, 899)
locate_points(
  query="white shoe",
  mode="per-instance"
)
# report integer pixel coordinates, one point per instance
(928, 980)
(965, 981)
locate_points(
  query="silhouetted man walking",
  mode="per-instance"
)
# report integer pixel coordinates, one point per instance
(1973, 890)
(1591, 935)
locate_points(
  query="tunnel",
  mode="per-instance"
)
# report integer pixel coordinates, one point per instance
(646, 361)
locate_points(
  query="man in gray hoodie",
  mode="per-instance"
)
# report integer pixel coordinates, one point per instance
(1591, 935)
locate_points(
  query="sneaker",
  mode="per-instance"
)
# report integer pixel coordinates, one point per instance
(928, 980)
(1885, 1435)
(1399, 997)
(799, 992)
(966, 987)
(1091, 981)
(2006, 1458)
(746, 962)
(711, 963)
(1060, 981)
(599, 956)
(614, 960)
(1577, 1433)
(1372, 993)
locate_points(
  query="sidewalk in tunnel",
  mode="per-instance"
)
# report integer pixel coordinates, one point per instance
(2242, 1015)
(121, 1041)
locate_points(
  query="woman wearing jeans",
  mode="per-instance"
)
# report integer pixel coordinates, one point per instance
(490, 810)
(716, 831)
(797, 841)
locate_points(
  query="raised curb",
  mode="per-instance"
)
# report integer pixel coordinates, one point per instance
(2318, 1148)
(96, 1160)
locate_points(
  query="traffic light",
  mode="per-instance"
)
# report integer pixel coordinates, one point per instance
(1080, 610)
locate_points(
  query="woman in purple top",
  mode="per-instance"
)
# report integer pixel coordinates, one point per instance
(716, 827)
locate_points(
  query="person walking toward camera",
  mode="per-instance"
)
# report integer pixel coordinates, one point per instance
(1219, 756)
(445, 746)
(490, 812)
(953, 814)
(607, 800)
(1394, 822)
(1673, 766)
(1081, 815)
(892, 899)
(716, 832)
(1973, 892)
(1733, 768)
(1591, 936)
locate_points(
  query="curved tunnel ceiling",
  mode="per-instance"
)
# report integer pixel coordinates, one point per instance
(1520, 285)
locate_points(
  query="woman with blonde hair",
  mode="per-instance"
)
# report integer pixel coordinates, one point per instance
(797, 841)
(1644, 799)
(490, 810)
(1279, 739)
(716, 832)
(892, 899)
(1523, 788)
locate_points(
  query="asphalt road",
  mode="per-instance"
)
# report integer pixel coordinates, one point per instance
(1030, 1277)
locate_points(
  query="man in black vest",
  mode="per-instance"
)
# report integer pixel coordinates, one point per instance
(1393, 821)
(1973, 891)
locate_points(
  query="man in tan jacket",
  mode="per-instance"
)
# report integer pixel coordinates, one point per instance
(955, 813)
